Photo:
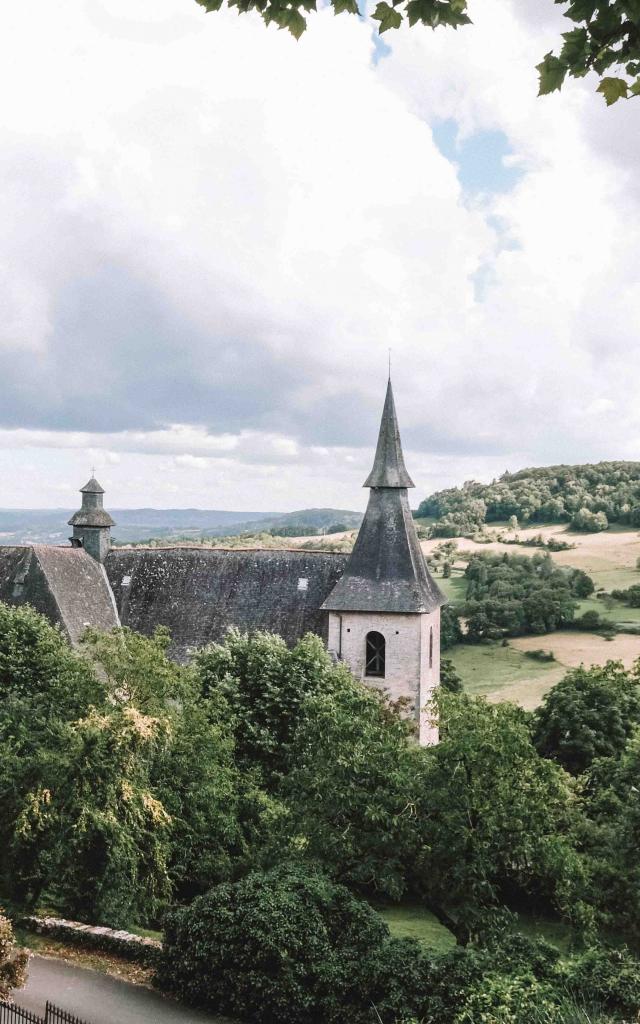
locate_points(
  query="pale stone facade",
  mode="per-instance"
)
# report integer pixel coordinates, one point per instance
(412, 657)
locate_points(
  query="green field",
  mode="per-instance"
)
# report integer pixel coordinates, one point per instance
(491, 670)
(611, 610)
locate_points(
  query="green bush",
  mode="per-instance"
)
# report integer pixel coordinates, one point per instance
(287, 945)
(610, 976)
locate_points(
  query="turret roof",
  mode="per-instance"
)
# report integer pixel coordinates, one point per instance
(92, 487)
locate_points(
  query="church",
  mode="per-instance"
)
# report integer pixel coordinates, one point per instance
(378, 609)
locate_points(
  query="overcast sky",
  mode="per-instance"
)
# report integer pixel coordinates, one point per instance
(211, 234)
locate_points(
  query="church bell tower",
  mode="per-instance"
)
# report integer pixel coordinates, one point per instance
(384, 612)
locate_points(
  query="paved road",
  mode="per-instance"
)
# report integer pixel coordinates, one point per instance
(100, 999)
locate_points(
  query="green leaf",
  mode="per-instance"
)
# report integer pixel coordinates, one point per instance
(582, 10)
(635, 89)
(296, 23)
(387, 17)
(576, 48)
(612, 89)
(552, 73)
(210, 5)
(350, 6)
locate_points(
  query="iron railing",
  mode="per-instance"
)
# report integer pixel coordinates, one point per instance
(12, 1014)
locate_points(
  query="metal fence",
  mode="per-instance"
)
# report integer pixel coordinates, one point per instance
(54, 1015)
(12, 1014)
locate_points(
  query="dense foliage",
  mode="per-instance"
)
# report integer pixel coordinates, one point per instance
(117, 782)
(13, 962)
(605, 35)
(591, 713)
(508, 595)
(288, 946)
(298, 949)
(128, 783)
(551, 494)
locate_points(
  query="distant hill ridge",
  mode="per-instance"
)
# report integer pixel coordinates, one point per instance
(576, 494)
(49, 526)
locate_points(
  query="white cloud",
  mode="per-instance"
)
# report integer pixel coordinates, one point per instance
(212, 234)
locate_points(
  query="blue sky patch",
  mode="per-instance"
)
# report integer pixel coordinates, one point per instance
(479, 158)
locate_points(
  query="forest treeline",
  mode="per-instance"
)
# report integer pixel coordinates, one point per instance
(589, 497)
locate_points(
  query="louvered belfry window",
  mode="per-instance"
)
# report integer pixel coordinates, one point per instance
(375, 655)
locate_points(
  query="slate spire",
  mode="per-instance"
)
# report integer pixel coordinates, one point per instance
(386, 571)
(389, 469)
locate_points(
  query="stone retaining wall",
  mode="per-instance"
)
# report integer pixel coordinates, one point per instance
(126, 944)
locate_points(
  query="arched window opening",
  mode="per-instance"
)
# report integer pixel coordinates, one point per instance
(374, 664)
(431, 647)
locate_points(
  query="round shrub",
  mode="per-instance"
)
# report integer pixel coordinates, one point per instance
(286, 945)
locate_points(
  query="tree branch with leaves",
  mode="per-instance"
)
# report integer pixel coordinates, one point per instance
(606, 39)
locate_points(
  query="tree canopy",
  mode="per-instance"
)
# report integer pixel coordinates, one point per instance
(604, 37)
(546, 494)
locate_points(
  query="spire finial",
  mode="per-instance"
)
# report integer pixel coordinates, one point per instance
(389, 364)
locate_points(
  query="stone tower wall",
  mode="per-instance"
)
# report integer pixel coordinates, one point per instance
(409, 670)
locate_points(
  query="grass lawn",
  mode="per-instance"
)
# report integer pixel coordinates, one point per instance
(610, 610)
(505, 673)
(454, 588)
(416, 922)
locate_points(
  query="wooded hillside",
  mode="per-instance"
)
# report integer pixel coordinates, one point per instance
(589, 496)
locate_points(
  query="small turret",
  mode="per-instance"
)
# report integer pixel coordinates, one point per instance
(91, 524)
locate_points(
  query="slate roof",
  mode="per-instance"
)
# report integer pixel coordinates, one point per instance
(92, 513)
(199, 593)
(92, 487)
(389, 469)
(65, 584)
(91, 517)
(387, 571)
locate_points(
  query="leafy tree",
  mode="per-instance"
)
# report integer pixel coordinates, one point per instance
(630, 596)
(265, 685)
(110, 834)
(351, 788)
(493, 817)
(44, 686)
(214, 814)
(13, 962)
(591, 713)
(581, 584)
(286, 945)
(449, 678)
(607, 36)
(450, 631)
(589, 522)
(610, 837)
